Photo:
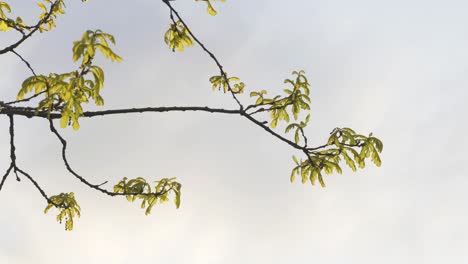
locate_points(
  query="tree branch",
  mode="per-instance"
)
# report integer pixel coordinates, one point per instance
(31, 112)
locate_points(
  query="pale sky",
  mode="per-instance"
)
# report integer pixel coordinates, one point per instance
(394, 68)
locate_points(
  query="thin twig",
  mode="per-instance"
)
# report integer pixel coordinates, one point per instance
(81, 178)
(34, 182)
(25, 99)
(5, 176)
(223, 73)
(25, 61)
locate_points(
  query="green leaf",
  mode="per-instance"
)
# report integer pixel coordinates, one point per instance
(108, 53)
(349, 161)
(307, 119)
(320, 178)
(289, 127)
(313, 176)
(211, 10)
(293, 175)
(295, 160)
(177, 37)
(6, 7)
(273, 123)
(64, 120)
(378, 143)
(375, 156)
(177, 198)
(42, 7)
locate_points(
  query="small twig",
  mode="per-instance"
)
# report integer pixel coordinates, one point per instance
(260, 110)
(264, 104)
(303, 136)
(36, 185)
(25, 99)
(67, 164)
(81, 178)
(25, 61)
(5, 176)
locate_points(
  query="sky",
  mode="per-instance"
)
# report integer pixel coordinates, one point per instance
(394, 68)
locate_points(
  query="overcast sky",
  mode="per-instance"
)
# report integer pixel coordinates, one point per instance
(395, 68)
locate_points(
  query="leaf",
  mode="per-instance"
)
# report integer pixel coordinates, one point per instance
(64, 120)
(313, 176)
(295, 160)
(304, 175)
(293, 175)
(108, 53)
(42, 6)
(378, 143)
(48, 208)
(349, 161)
(210, 9)
(307, 119)
(76, 124)
(320, 178)
(375, 156)
(151, 202)
(177, 198)
(376, 159)
(4, 26)
(289, 127)
(273, 123)
(6, 7)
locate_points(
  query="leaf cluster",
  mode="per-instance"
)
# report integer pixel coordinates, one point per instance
(92, 41)
(68, 91)
(343, 143)
(178, 37)
(296, 98)
(220, 82)
(67, 206)
(139, 188)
